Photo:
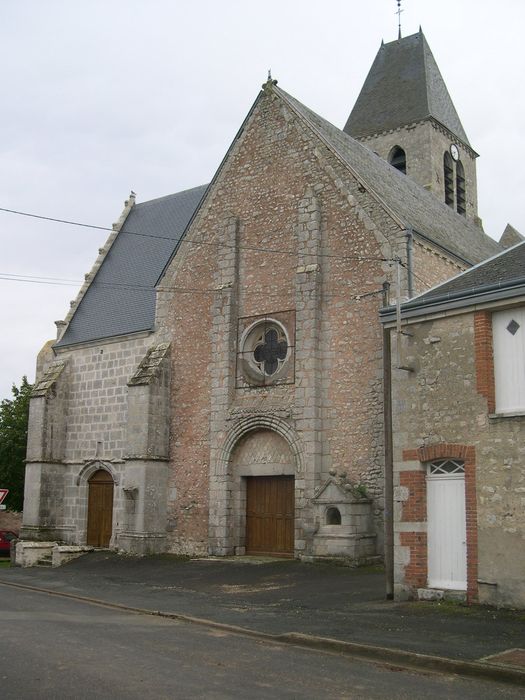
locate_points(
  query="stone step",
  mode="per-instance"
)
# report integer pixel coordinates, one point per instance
(46, 561)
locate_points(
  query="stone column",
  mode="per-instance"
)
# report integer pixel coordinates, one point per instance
(146, 471)
(45, 470)
(308, 396)
(224, 339)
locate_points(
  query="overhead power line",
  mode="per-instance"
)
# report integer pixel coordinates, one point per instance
(8, 277)
(189, 241)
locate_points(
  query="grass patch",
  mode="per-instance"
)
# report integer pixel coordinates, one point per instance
(454, 608)
(5, 563)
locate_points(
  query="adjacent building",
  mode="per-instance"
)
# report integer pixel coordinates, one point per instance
(458, 411)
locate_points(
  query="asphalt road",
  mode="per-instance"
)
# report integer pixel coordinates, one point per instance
(55, 648)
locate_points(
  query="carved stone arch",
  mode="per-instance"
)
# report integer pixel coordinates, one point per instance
(252, 424)
(90, 468)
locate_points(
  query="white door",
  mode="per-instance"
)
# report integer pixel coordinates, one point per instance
(447, 531)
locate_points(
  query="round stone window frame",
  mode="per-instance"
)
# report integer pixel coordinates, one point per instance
(251, 369)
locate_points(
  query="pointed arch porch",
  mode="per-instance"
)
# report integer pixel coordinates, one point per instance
(228, 479)
(86, 494)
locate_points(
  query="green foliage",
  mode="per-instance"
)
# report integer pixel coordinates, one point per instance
(14, 414)
(361, 490)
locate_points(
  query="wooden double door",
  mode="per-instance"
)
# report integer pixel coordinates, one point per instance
(100, 509)
(270, 511)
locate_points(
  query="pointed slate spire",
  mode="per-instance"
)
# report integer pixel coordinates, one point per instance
(404, 86)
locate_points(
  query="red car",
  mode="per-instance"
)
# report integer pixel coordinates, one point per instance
(6, 536)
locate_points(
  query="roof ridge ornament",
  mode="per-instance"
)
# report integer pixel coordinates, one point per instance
(398, 13)
(270, 82)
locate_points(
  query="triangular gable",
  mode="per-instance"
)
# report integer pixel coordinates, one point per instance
(269, 88)
(332, 491)
(500, 270)
(206, 195)
(409, 204)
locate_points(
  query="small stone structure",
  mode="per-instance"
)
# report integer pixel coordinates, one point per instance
(344, 521)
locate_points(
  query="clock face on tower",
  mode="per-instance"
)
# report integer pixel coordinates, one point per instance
(454, 151)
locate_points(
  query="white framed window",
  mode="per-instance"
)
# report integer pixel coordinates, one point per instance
(442, 467)
(508, 333)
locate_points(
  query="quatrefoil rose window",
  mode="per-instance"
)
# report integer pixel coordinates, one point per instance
(265, 349)
(270, 350)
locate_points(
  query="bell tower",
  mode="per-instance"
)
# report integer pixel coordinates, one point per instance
(405, 114)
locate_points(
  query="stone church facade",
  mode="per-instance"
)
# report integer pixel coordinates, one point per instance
(217, 386)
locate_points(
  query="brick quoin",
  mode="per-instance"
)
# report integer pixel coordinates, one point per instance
(415, 510)
(416, 569)
(415, 507)
(484, 358)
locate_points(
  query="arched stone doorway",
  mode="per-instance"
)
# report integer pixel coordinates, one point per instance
(100, 509)
(263, 471)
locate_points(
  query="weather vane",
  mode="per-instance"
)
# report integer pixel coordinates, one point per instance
(398, 13)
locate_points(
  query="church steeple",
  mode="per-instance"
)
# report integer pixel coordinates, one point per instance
(403, 86)
(404, 106)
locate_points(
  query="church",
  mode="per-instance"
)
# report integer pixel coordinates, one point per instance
(217, 385)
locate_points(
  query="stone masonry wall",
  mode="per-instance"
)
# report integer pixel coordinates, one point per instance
(311, 240)
(425, 144)
(415, 140)
(441, 140)
(439, 406)
(263, 185)
(94, 413)
(431, 266)
(97, 403)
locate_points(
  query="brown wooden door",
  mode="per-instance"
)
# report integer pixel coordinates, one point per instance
(270, 503)
(100, 509)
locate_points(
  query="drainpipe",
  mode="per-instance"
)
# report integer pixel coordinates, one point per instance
(410, 262)
(389, 467)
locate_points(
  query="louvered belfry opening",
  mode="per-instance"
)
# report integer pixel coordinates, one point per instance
(448, 172)
(461, 196)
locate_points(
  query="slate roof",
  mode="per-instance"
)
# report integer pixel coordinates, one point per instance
(414, 206)
(500, 277)
(510, 237)
(404, 86)
(121, 297)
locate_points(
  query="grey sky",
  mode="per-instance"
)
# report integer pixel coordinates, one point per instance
(105, 96)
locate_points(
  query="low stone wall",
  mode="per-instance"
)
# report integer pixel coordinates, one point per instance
(45, 553)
